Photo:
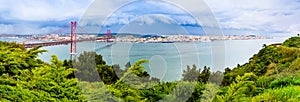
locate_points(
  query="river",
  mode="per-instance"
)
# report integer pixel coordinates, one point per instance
(167, 60)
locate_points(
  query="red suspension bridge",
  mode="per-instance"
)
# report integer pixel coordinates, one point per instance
(73, 39)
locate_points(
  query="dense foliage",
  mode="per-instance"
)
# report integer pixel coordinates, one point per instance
(277, 69)
(292, 42)
(273, 74)
(26, 78)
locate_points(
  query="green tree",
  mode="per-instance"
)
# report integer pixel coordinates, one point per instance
(86, 66)
(14, 58)
(138, 69)
(97, 92)
(54, 80)
(197, 93)
(181, 92)
(204, 75)
(191, 74)
(209, 92)
(136, 75)
(120, 72)
(285, 94)
(292, 42)
(107, 74)
(128, 65)
(241, 90)
(44, 83)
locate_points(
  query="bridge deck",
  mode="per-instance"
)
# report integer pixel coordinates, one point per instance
(31, 45)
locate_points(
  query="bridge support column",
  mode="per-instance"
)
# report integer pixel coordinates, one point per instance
(73, 40)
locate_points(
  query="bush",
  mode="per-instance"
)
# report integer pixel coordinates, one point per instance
(292, 42)
(286, 94)
(282, 82)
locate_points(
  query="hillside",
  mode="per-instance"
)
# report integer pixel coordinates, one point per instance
(273, 74)
(276, 69)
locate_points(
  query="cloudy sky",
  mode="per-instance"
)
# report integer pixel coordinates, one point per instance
(235, 17)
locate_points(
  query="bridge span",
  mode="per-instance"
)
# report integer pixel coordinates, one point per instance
(31, 45)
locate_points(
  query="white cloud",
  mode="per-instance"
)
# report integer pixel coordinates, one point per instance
(127, 13)
(26, 29)
(151, 19)
(251, 16)
(266, 16)
(6, 28)
(42, 10)
(294, 29)
(32, 16)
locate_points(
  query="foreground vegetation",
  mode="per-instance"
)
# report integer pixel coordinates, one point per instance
(273, 74)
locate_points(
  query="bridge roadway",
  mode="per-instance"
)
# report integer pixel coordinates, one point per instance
(31, 45)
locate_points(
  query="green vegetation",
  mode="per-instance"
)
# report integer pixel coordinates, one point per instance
(273, 74)
(26, 78)
(292, 42)
(277, 73)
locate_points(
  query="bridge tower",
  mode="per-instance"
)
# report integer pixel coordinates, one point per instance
(73, 39)
(108, 35)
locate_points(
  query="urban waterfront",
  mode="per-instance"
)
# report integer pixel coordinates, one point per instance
(166, 55)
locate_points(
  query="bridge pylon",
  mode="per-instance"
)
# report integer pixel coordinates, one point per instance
(108, 35)
(73, 39)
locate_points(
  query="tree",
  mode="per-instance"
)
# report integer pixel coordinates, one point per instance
(197, 93)
(136, 74)
(181, 92)
(69, 64)
(128, 65)
(119, 72)
(86, 66)
(264, 45)
(209, 92)
(292, 42)
(138, 69)
(190, 74)
(14, 58)
(216, 77)
(204, 75)
(240, 90)
(107, 74)
(44, 83)
(285, 94)
(54, 80)
(97, 92)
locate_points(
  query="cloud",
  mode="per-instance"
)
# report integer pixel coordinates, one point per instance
(257, 16)
(39, 16)
(26, 29)
(294, 29)
(6, 28)
(127, 12)
(134, 10)
(234, 16)
(42, 10)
